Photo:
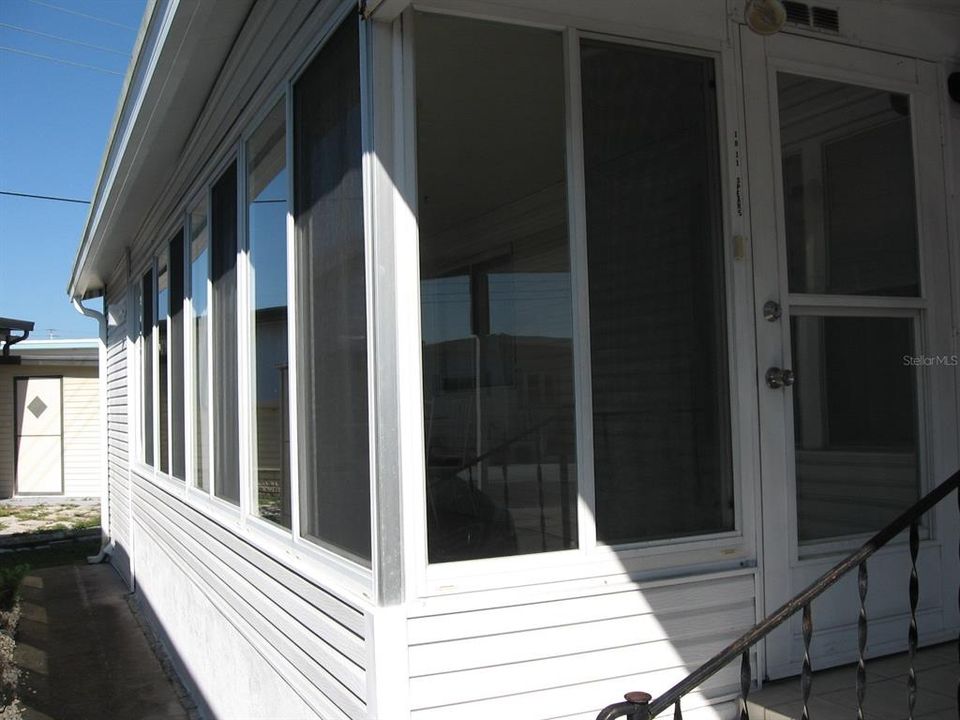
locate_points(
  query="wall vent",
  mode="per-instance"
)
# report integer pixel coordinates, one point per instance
(826, 19)
(797, 13)
(814, 18)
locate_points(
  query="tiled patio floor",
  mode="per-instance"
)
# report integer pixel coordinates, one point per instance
(833, 695)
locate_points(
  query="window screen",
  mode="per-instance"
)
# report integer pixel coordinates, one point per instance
(146, 362)
(661, 414)
(495, 290)
(163, 366)
(199, 275)
(331, 300)
(223, 275)
(176, 358)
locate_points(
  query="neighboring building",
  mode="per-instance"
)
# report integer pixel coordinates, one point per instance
(50, 426)
(443, 343)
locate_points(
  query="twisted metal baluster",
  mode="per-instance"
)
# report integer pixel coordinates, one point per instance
(677, 715)
(806, 678)
(912, 634)
(861, 639)
(745, 680)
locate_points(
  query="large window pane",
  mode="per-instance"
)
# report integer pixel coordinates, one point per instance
(163, 306)
(199, 273)
(175, 354)
(146, 363)
(223, 276)
(495, 290)
(331, 300)
(851, 212)
(855, 414)
(267, 230)
(657, 330)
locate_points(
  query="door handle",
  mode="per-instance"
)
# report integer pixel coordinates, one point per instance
(779, 378)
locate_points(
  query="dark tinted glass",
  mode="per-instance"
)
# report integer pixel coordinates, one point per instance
(175, 354)
(146, 362)
(661, 412)
(848, 182)
(495, 290)
(331, 300)
(163, 366)
(855, 415)
(223, 267)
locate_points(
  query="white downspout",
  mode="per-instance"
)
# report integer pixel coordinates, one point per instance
(106, 544)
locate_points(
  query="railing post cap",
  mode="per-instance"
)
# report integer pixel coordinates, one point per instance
(640, 698)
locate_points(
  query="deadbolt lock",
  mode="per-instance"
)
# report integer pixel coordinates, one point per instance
(771, 311)
(779, 378)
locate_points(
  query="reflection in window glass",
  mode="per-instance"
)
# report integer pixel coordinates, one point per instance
(495, 290)
(199, 272)
(849, 197)
(163, 307)
(267, 231)
(330, 284)
(146, 362)
(661, 412)
(855, 420)
(223, 283)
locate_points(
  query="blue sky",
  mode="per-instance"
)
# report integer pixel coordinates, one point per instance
(54, 120)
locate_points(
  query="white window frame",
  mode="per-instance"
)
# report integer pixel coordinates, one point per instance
(308, 558)
(729, 550)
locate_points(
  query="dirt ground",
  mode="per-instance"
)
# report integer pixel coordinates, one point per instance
(24, 516)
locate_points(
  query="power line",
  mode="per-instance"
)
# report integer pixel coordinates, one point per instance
(83, 15)
(63, 39)
(44, 197)
(61, 61)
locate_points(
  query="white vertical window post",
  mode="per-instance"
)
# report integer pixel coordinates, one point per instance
(245, 381)
(576, 209)
(189, 382)
(292, 371)
(211, 460)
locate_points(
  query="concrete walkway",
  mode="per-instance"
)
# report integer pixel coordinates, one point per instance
(83, 654)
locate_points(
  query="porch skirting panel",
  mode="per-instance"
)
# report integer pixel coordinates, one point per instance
(570, 654)
(251, 637)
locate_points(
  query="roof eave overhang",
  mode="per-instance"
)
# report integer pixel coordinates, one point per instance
(180, 49)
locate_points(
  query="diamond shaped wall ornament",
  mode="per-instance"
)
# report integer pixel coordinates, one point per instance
(37, 406)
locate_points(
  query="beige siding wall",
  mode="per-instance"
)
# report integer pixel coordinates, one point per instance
(81, 407)
(82, 467)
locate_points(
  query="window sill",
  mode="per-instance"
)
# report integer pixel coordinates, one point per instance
(649, 561)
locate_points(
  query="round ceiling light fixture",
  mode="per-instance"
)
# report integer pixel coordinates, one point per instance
(765, 17)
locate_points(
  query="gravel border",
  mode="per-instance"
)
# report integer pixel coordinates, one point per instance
(48, 537)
